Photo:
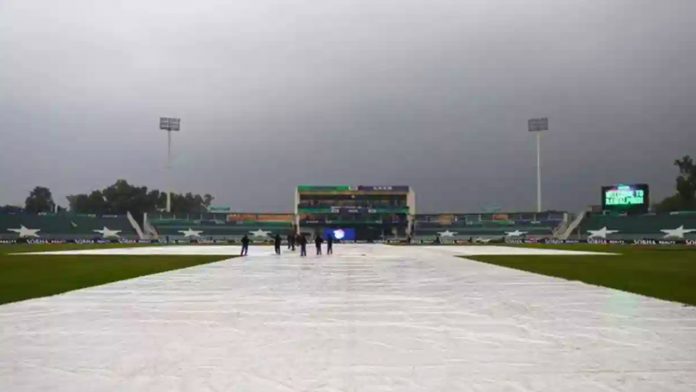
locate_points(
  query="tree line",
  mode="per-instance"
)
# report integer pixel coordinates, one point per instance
(115, 199)
(685, 198)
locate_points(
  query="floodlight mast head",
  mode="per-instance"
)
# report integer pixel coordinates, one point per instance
(538, 125)
(169, 124)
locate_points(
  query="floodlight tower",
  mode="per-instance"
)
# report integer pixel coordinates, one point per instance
(169, 124)
(538, 125)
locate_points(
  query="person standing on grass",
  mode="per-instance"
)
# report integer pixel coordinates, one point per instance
(329, 244)
(277, 244)
(302, 240)
(245, 245)
(317, 242)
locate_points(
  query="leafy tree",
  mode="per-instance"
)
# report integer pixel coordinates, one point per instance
(207, 200)
(122, 197)
(93, 203)
(8, 209)
(191, 204)
(685, 198)
(39, 200)
(686, 181)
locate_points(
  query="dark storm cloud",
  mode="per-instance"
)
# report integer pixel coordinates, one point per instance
(272, 94)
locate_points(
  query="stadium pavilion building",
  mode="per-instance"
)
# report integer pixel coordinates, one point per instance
(361, 212)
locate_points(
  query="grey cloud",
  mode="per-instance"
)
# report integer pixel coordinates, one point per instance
(272, 94)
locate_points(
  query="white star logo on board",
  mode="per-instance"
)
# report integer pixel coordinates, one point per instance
(515, 233)
(107, 233)
(260, 233)
(677, 233)
(601, 233)
(446, 233)
(482, 240)
(191, 233)
(24, 232)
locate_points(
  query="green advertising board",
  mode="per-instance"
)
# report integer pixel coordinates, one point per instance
(324, 188)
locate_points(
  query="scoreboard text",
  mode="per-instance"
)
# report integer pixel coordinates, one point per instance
(632, 197)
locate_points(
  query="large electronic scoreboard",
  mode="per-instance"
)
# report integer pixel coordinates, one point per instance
(626, 198)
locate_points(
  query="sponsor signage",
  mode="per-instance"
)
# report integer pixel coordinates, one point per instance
(383, 188)
(640, 242)
(324, 188)
(249, 217)
(352, 188)
(219, 209)
(352, 210)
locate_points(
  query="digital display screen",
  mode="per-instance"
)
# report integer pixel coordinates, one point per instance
(340, 234)
(625, 197)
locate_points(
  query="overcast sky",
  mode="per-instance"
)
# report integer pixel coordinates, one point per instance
(273, 93)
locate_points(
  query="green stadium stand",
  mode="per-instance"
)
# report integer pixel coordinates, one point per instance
(65, 226)
(637, 227)
(457, 227)
(212, 226)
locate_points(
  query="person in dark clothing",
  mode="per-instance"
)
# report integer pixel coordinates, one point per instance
(291, 241)
(317, 242)
(277, 244)
(329, 245)
(302, 241)
(245, 245)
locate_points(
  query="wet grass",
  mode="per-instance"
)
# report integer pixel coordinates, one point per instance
(663, 272)
(29, 276)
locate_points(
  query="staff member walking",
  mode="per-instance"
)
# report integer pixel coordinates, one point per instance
(302, 240)
(329, 244)
(291, 241)
(245, 245)
(317, 242)
(277, 244)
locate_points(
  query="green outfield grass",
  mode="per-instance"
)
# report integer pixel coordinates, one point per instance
(663, 272)
(30, 276)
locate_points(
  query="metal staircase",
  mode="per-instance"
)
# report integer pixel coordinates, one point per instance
(573, 225)
(135, 225)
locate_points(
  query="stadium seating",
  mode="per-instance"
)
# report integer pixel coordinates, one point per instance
(212, 226)
(66, 226)
(636, 227)
(426, 227)
(458, 227)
